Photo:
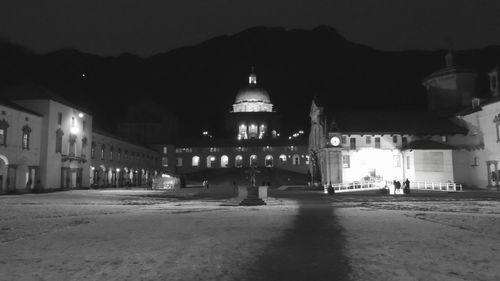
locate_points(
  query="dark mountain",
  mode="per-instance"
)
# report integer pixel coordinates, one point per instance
(199, 83)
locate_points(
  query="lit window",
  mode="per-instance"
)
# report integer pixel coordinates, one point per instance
(346, 161)
(269, 161)
(102, 151)
(179, 162)
(26, 137)
(195, 162)
(253, 161)
(164, 150)
(3, 132)
(224, 161)
(282, 159)
(444, 138)
(238, 163)
(164, 161)
(296, 159)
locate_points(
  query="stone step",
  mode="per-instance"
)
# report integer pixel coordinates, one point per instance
(252, 202)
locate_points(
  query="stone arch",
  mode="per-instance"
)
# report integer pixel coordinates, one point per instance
(211, 161)
(224, 161)
(238, 161)
(269, 161)
(253, 160)
(4, 165)
(296, 159)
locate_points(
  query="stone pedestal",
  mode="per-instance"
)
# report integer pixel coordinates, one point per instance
(254, 195)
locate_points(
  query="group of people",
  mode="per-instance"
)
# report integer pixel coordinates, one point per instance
(397, 186)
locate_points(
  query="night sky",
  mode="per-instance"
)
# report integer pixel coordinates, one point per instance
(144, 28)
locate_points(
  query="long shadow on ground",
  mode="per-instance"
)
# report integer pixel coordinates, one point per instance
(311, 250)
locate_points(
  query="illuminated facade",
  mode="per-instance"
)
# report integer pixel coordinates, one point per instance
(255, 139)
(380, 146)
(55, 144)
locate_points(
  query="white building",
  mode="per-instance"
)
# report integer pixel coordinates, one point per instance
(20, 131)
(351, 147)
(45, 138)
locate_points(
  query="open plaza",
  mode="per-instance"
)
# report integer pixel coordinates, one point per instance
(202, 234)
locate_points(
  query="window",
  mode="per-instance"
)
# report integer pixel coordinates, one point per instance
(253, 161)
(2, 137)
(408, 162)
(111, 153)
(92, 150)
(238, 163)
(84, 147)
(164, 150)
(84, 125)
(26, 137)
(404, 140)
(119, 155)
(72, 146)
(497, 125)
(224, 161)
(72, 122)
(268, 161)
(3, 132)
(308, 159)
(164, 161)
(102, 151)
(444, 138)
(179, 162)
(59, 118)
(343, 139)
(368, 140)
(346, 161)
(211, 161)
(352, 143)
(282, 159)
(395, 139)
(377, 142)
(396, 161)
(195, 162)
(296, 159)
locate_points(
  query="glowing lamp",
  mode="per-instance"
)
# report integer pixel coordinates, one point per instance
(117, 169)
(80, 115)
(73, 130)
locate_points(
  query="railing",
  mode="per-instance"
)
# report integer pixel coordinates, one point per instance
(419, 185)
(436, 186)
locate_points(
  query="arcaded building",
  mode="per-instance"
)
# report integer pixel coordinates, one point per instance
(254, 139)
(46, 139)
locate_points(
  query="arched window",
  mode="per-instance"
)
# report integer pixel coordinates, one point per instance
(92, 150)
(111, 152)
(195, 162)
(253, 131)
(103, 147)
(83, 153)
(3, 132)
(59, 136)
(238, 163)
(253, 161)
(282, 159)
(224, 161)
(210, 161)
(119, 155)
(26, 137)
(296, 159)
(164, 161)
(269, 161)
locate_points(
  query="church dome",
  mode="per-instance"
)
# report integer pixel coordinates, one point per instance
(252, 93)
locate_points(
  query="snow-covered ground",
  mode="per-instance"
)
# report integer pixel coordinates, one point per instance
(198, 234)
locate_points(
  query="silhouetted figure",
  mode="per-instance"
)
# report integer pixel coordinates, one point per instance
(407, 186)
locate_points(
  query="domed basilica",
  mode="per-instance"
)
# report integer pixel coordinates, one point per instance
(254, 139)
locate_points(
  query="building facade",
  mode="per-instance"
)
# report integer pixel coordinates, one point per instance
(254, 139)
(49, 141)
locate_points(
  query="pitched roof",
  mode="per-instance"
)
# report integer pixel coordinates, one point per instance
(14, 106)
(34, 92)
(427, 144)
(413, 123)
